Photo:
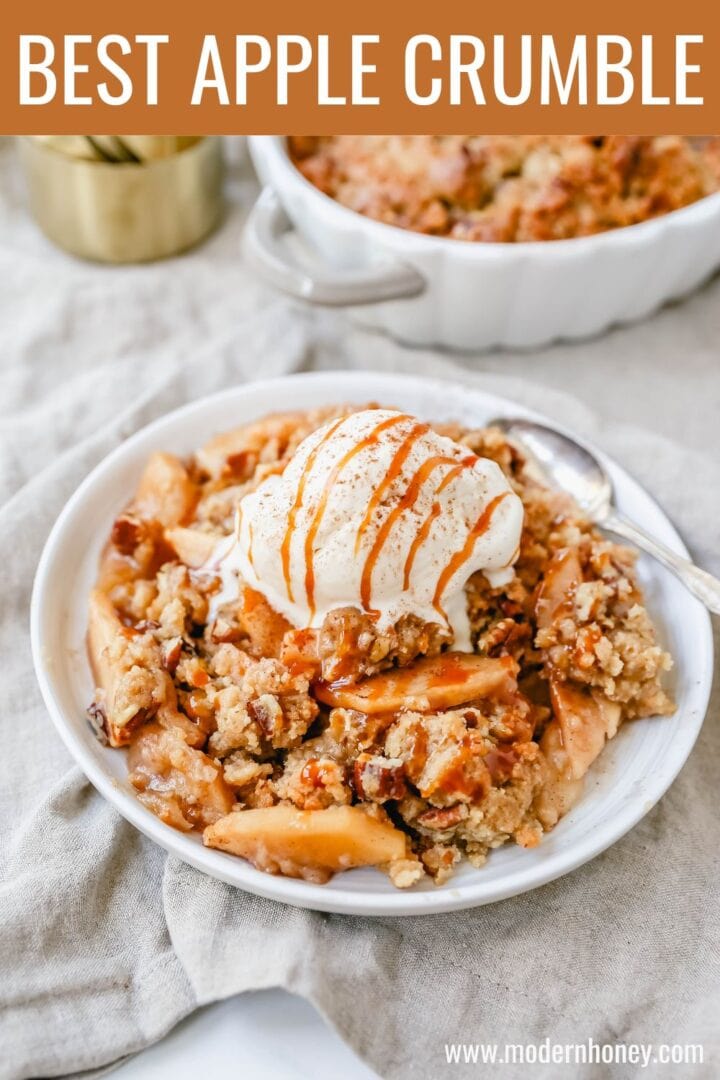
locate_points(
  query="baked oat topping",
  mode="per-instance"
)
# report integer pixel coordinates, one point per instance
(510, 188)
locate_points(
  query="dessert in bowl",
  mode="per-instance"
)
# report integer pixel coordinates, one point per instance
(345, 636)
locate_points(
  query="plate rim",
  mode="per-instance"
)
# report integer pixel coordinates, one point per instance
(300, 893)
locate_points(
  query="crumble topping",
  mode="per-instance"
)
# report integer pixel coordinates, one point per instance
(510, 188)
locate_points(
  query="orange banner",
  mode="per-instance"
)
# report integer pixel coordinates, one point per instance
(554, 68)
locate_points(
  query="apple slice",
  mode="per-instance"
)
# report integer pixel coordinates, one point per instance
(311, 844)
(165, 492)
(192, 547)
(571, 742)
(561, 790)
(104, 626)
(428, 685)
(587, 721)
(561, 578)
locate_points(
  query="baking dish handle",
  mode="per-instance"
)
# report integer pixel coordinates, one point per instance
(264, 245)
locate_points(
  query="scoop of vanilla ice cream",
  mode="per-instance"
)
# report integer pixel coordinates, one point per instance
(378, 512)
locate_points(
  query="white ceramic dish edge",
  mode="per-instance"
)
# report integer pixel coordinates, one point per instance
(528, 871)
(473, 296)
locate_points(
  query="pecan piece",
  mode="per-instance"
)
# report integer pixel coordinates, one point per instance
(170, 651)
(500, 764)
(378, 779)
(98, 721)
(441, 819)
(504, 634)
(267, 712)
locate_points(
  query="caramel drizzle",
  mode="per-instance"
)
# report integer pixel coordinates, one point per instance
(460, 557)
(320, 509)
(427, 524)
(287, 539)
(394, 470)
(250, 545)
(408, 500)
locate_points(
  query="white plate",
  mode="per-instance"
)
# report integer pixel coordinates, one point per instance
(631, 775)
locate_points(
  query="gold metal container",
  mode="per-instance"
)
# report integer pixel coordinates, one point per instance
(125, 212)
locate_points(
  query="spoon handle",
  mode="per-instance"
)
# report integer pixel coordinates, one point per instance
(699, 582)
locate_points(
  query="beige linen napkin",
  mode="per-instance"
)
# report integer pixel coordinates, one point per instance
(105, 942)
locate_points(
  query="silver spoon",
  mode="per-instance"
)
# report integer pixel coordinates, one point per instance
(576, 470)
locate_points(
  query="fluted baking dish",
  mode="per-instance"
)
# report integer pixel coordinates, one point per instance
(429, 290)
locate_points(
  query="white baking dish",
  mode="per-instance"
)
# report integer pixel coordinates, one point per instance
(428, 290)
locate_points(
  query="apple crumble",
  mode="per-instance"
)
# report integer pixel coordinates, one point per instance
(345, 638)
(510, 188)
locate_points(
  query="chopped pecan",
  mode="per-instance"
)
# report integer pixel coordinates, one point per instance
(501, 763)
(378, 779)
(170, 651)
(98, 720)
(442, 818)
(505, 633)
(267, 711)
(124, 735)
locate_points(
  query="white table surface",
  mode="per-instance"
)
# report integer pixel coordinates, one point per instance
(269, 1035)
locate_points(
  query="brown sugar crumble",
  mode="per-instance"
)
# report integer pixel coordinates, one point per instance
(510, 188)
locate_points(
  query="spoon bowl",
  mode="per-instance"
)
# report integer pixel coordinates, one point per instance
(570, 466)
(565, 462)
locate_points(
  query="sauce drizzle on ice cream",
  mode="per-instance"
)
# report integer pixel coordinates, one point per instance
(406, 503)
(368, 441)
(394, 470)
(461, 557)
